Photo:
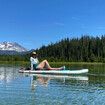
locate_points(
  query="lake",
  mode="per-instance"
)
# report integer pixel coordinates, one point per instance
(25, 89)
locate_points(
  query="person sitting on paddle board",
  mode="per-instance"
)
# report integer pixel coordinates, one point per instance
(36, 65)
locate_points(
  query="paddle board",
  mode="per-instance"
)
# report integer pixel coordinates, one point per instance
(60, 72)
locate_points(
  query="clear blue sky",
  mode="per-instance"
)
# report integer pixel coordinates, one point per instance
(33, 23)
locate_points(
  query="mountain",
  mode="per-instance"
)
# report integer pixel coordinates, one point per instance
(11, 47)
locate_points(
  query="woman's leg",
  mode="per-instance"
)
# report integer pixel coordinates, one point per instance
(45, 64)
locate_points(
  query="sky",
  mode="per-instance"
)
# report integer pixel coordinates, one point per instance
(33, 23)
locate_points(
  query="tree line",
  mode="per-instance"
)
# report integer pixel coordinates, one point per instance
(83, 49)
(17, 57)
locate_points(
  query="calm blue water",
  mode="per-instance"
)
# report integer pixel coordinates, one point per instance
(24, 89)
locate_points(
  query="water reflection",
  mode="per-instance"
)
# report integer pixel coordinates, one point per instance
(44, 80)
(36, 80)
(7, 74)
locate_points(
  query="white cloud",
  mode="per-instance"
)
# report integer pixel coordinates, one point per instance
(59, 24)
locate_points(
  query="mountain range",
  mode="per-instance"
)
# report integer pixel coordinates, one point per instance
(11, 48)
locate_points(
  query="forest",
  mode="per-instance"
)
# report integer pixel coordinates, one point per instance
(83, 49)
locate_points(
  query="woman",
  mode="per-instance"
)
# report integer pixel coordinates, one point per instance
(35, 65)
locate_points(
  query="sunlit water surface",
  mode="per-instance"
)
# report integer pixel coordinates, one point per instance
(25, 89)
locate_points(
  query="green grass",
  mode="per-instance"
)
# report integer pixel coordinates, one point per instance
(76, 63)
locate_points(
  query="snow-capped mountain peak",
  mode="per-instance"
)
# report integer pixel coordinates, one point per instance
(12, 46)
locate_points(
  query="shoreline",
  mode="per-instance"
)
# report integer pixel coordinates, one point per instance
(67, 63)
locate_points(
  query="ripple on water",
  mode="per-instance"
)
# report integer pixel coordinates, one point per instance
(18, 89)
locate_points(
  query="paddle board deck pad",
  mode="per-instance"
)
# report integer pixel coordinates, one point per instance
(60, 72)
